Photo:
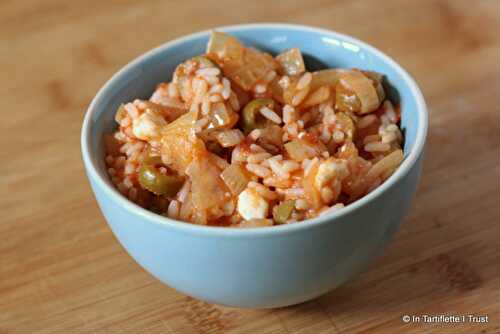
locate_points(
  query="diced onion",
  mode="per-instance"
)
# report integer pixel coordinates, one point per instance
(224, 46)
(291, 62)
(329, 77)
(179, 145)
(229, 138)
(207, 189)
(283, 211)
(358, 83)
(299, 150)
(236, 178)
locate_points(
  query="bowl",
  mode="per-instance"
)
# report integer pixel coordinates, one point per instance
(263, 267)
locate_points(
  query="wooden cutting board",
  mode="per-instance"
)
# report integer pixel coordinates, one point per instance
(61, 269)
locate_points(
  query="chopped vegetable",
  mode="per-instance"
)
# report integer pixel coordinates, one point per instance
(207, 188)
(224, 47)
(179, 144)
(244, 66)
(222, 117)
(170, 113)
(236, 178)
(158, 183)
(299, 149)
(356, 93)
(291, 62)
(271, 134)
(283, 211)
(229, 138)
(250, 114)
(329, 77)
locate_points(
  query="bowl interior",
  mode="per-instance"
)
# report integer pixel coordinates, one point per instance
(139, 78)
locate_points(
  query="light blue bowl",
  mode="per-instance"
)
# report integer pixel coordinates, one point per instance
(268, 267)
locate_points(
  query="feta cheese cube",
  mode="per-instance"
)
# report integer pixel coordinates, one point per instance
(251, 205)
(147, 125)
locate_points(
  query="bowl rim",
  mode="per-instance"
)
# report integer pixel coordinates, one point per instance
(184, 227)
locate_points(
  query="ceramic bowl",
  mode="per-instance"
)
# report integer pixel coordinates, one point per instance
(266, 267)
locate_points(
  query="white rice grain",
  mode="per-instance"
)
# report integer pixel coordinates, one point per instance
(304, 81)
(299, 97)
(184, 192)
(255, 134)
(288, 114)
(208, 72)
(226, 91)
(291, 192)
(215, 89)
(233, 101)
(132, 110)
(258, 170)
(205, 106)
(256, 148)
(377, 147)
(258, 157)
(173, 209)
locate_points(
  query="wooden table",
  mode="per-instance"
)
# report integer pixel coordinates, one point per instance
(61, 269)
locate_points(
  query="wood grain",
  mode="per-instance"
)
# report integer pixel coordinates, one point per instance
(62, 271)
